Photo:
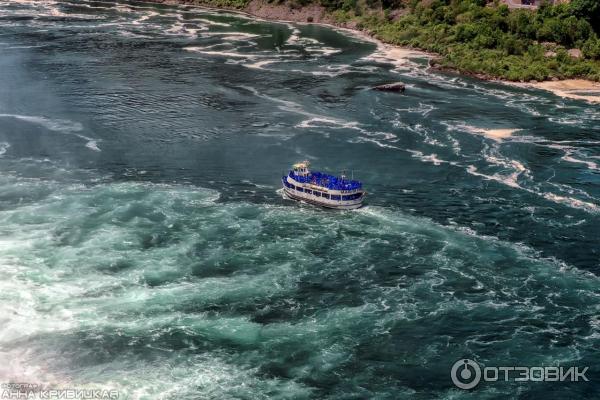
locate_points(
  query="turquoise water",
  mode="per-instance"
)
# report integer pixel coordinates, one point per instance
(145, 245)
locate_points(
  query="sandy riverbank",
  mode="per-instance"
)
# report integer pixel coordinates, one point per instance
(578, 89)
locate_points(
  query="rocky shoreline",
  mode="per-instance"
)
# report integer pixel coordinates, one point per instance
(578, 89)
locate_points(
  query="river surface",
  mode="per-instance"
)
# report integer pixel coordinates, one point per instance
(145, 245)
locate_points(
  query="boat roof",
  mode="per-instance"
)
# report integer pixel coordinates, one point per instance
(327, 181)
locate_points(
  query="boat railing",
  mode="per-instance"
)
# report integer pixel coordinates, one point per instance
(328, 181)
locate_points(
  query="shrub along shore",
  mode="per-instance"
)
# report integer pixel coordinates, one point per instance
(477, 37)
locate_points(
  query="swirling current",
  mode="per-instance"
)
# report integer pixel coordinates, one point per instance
(145, 245)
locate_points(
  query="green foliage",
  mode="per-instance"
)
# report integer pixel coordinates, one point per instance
(591, 48)
(477, 37)
(589, 10)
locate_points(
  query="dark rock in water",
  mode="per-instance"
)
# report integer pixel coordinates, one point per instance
(391, 87)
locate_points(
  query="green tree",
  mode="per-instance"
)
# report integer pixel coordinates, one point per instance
(589, 10)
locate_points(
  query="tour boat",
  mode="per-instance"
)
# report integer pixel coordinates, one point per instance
(322, 189)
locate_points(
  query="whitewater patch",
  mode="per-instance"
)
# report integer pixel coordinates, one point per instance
(497, 134)
(590, 164)
(57, 125)
(230, 36)
(516, 175)
(210, 22)
(401, 58)
(309, 44)
(379, 143)
(129, 34)
(4, 147)
(92, 145)
(572, 202)
(423, 109)
(260, 64)
(570, 153)
(313, 120)
(202, 50)
(384, 140)
(316, 122)
(296, 39)
(179, 29)
(46, 9)
(511, 180)
(427, 135)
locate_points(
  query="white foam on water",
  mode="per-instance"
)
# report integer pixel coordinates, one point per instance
(260, 64)
(210, 22)
(84, 5)
(572, 202)
(388, 136)
(429, 158)
(425, 133)
(93, 145)
(231, 36)
(402, 59)
(4, 147)
(296, 108)
(423, 109)
(516, 175)
(455, 144)
(230, 54)
(45, 8)
(179, 29)
(323, 50)
(310, 45)
(511, 180)
(138, 315)
(433, 159)
(142, 19)
(590, 164)
(566, 120)
(24, 47)
(497, 134)
(57, 125)
(130, 34)
(570, 152)
(362, 139)
(333, 123)
(125, 9)
(296, 40)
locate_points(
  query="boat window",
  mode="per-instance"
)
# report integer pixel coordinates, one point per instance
(308, 191)
(299, 189)
(352, 196)
(335, 197)
(317, 193)
(326, 195)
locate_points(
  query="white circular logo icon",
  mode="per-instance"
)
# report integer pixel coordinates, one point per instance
(465, 374)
